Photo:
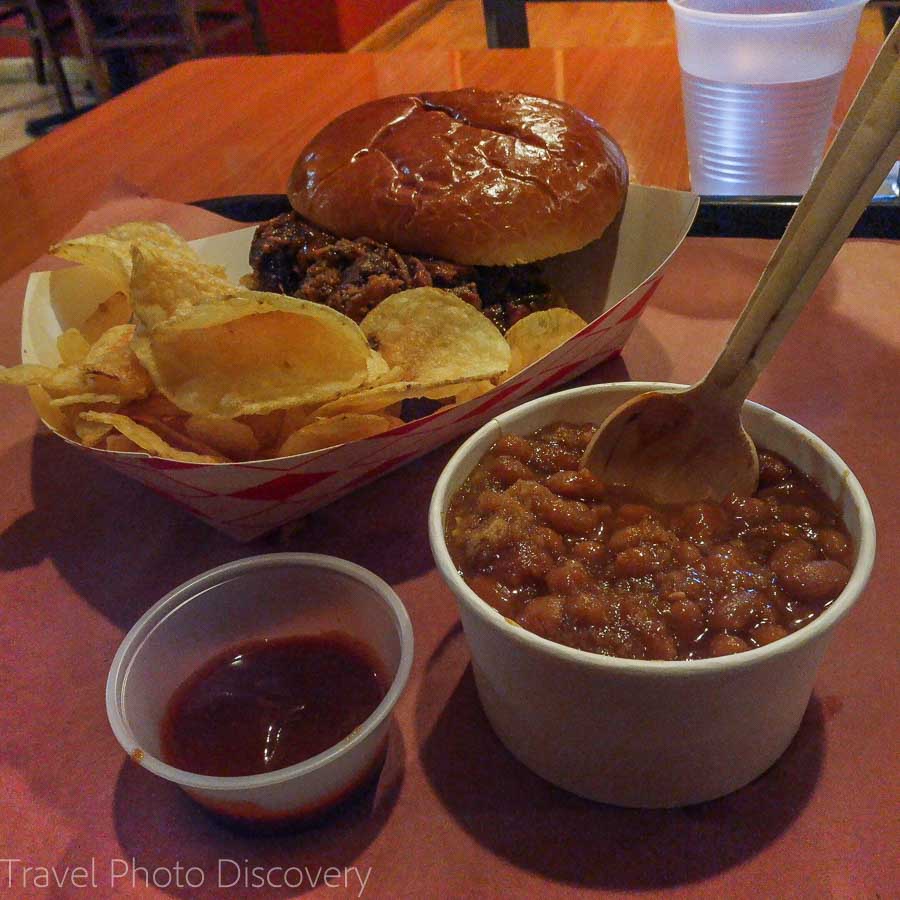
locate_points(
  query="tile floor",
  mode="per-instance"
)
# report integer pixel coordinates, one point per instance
(23, 99)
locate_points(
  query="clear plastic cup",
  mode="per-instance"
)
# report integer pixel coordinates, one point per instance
(760, 79)
(272, 596)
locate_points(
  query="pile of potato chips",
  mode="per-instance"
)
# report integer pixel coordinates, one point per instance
(182, 364)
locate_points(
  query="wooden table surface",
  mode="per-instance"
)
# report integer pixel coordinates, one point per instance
(85, 551)
(218, 127)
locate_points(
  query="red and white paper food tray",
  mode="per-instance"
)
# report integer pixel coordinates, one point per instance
(608, 283)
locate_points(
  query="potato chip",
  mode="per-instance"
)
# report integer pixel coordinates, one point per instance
(266, 427)
(146, 439)
(109, 344)
(446, 391)
(172, 431)
(72, 346)
(111, 251)
(152, 232)
(433, 337)
(85, 400)
(114, 310)
(381, 396)
(43, 405)
(59, 382)
(157, 406)
(472, 390)
(254, 353)
(184, 365)
(230, 438)
(294, 418)
(98, 251)
(108, 373)
(378, 371)
(26, 374)
(321, 433)
(539, 333)
(163, 284)
(113, 367)
(120, 444)
(66, 380)
(91, 434)
(370, 400)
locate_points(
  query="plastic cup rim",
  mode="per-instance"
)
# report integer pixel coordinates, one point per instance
(819, 627)
(759, 19)
(183, 594)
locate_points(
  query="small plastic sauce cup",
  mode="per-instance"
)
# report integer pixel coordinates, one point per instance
(272, 596)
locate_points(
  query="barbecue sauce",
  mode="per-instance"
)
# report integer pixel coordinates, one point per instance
(268, 704)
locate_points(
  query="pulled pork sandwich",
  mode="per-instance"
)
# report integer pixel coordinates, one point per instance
(464, 190)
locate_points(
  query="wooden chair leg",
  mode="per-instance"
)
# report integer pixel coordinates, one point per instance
(57, 75)
(190, 27)
(37, 55)
(84, 30)
(37, 52)
(256, 24)
(506, 23)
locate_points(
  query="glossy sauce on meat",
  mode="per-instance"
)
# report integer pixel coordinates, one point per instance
(596, 567)
(265, 705)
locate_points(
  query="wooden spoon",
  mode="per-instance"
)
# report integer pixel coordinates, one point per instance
(690, 444)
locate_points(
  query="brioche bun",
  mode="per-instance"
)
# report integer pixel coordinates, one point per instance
(477, 177)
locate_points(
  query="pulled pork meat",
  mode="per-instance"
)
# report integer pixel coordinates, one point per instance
(291, 256)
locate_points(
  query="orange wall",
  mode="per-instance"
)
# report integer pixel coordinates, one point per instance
(11, 46)
(295, 26)
(359, 18)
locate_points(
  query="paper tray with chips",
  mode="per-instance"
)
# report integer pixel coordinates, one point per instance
(608, 283)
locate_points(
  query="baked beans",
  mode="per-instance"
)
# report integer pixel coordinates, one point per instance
(597, 567)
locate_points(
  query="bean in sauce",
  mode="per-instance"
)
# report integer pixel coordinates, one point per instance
(597, 567)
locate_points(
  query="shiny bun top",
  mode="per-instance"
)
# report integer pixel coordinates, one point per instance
(477, 177)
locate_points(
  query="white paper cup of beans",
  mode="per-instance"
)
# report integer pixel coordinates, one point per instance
(638, 732)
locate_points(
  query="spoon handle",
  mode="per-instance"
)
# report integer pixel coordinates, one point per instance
(861, 155)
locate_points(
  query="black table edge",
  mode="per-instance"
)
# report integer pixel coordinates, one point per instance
(743, 217)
